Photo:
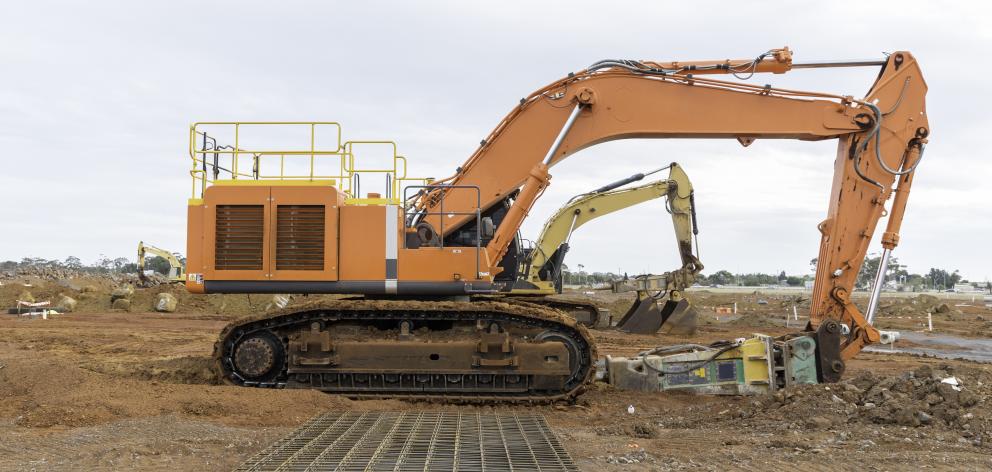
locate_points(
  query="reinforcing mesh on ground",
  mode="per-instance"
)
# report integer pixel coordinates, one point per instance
(424, 441)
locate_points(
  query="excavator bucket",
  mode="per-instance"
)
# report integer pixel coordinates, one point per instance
(678, 318)
(644, 317)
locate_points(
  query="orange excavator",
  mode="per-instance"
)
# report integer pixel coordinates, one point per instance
(421, 268)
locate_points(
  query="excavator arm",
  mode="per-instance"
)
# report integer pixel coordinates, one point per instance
(543, 264)
(880, 138)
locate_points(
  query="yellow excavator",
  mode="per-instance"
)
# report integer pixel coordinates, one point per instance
(541, 268)
(177, 272)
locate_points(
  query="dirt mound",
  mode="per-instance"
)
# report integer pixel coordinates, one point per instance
(41, 393)
(918, 398)
(184, 370)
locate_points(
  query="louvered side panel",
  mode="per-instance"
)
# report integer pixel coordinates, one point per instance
(239, 237)
(300, 237)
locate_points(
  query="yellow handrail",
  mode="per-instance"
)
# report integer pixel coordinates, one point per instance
(203, 143)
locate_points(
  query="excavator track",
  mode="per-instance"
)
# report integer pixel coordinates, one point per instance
(480, 351)
(585, 313)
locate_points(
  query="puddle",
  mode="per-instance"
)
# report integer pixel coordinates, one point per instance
(944, 347)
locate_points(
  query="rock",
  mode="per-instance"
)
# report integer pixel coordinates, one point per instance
(951, 396)
(645, 430)
(278, 302)
(66, 303)
(943, 308)
(125, 292)
(967, 398)
(924, 418)
(818, 422)
(907, 417)
(25, 296)
(166, 303)
(121, 304)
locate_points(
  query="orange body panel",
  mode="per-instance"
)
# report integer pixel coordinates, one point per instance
(363, 242)
(215, 196)
(437, 264)
(202, 237)
(194, 248)
(356, 243)
(331, 199)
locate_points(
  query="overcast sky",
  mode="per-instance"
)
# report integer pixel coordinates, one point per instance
(96, 98)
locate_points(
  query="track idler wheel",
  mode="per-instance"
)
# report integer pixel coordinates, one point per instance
(573, 350)
(259, 357)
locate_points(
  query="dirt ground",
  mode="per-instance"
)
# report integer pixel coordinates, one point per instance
(109, 389)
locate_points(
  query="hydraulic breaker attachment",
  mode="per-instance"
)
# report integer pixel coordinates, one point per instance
(830, 364)
(757, 365)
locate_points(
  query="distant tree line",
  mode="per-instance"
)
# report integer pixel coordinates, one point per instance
(103, 265)
(896, 273)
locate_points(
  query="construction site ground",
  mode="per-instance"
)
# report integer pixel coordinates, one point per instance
(102, 388)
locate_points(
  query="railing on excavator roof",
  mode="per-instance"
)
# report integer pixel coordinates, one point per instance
(209, 158)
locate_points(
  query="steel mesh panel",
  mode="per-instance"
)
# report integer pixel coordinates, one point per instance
(422, 441)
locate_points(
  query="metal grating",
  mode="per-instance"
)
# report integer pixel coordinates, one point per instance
(405, 441)
(300, 237)
(240, 233)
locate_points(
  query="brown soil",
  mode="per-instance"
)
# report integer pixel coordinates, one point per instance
(117, 390)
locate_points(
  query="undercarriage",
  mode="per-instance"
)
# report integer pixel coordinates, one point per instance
(484, 351)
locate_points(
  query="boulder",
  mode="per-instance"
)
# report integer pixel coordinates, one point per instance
(121, 304)
(66, 303)
(165, 303)
(278, 302)
(124, 292)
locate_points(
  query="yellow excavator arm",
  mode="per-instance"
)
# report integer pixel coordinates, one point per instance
(542, 267)
(177, 272)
